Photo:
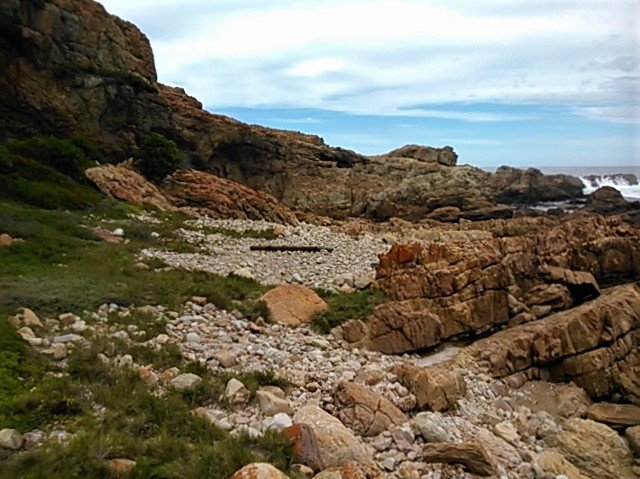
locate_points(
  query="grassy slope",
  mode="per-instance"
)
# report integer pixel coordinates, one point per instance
(61, 266)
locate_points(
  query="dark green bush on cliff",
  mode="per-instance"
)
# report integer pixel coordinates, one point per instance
(61, 155)
(5, 159)
(158, 157)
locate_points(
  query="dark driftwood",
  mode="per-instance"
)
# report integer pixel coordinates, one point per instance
(273, 247)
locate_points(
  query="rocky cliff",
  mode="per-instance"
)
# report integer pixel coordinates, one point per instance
(68, 66)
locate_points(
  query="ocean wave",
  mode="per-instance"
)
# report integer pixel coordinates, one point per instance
(625, 183)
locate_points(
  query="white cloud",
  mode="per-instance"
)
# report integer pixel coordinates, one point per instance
(384, 57)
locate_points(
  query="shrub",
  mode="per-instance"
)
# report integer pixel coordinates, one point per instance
(158, 157)
(346, 306)
(5, 159)
(61, 155)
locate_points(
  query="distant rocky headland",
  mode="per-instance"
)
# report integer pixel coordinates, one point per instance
(273, 304)
(64, 75)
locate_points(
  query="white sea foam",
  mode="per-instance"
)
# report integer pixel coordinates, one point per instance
(629, 190)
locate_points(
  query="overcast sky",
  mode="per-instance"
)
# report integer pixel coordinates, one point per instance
(523, 82)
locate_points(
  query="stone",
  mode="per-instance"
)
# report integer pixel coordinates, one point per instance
(271, 405)
(120, 466)
(186, 381)
(67, 319)
(259, 470)
(236, 392)
(244, 273)
(59, 351)
(436, 388)
(365, 411)
(433, 427)
(5, 239)
(279, 422)
(615, 415)
(69, 338)
(125, 184)
(11, 439)
(26, 333)
(30, 319)
(292, 304)
(226, 357)
(471, 455)
(324, 441)
(553, 464)
(507, 431)
(594, 448)
(224, 198)
(633, 437)
(555, 296)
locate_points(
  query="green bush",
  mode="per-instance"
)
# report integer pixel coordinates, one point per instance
(158, 157)
(346, 306)
(61, 155)
(5, 160)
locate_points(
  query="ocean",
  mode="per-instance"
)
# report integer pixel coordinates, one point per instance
(626, 179)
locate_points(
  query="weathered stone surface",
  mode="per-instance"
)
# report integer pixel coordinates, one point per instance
(615, 415)
(632, 435)
(236, 392)
(581, 284)
(11, 439)
(293, 304)
(567, 343)
(445, 156)
(122, 183)
(224, 198)
(530, 186)
(186, 381)
(471, 455)
(365, 411)
(595, 449)
(30, 319)
(259, 470)
(552, 463)
(559, 400)
(556, 296)
(436, 388)
(336, 445)
(271, 404)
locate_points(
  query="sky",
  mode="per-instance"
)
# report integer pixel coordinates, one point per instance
(518, 82)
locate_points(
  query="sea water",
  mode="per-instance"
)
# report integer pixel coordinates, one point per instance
(603, 176)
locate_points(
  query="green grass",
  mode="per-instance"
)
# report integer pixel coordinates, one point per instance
(159, 431)
(30, 182)
(61, 267)
(346, 306)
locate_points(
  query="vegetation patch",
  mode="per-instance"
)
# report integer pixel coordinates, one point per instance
(114, 414)
(346, 306)
(158, 157)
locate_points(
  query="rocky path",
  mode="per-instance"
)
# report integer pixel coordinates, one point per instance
(342, 259)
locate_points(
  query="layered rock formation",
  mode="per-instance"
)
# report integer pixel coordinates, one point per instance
(69, 67)
(443, 291)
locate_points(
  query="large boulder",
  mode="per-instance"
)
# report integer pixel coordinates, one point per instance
(259, 470)
(512, 185)
(365, 411)
(615, 415)
(594, 345)
(444, 156)
(437, 388)
(472, 455)
(122, 183)
(324, 441)
(223, 198)
(293, 304)
(595, 449)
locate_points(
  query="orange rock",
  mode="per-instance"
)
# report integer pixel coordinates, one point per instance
(293, 304)
(259, 470)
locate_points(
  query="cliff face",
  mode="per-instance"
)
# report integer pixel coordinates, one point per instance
(68, 66)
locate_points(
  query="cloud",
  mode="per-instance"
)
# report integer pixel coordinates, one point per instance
(392, 58)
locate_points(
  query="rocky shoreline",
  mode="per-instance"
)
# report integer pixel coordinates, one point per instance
(469, 333)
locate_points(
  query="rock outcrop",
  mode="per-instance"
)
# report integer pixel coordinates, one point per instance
(68, 67)
(124, 184)
(222, 198)
(365, 411)
(444, 156)
(512, 185)
(595, 345)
